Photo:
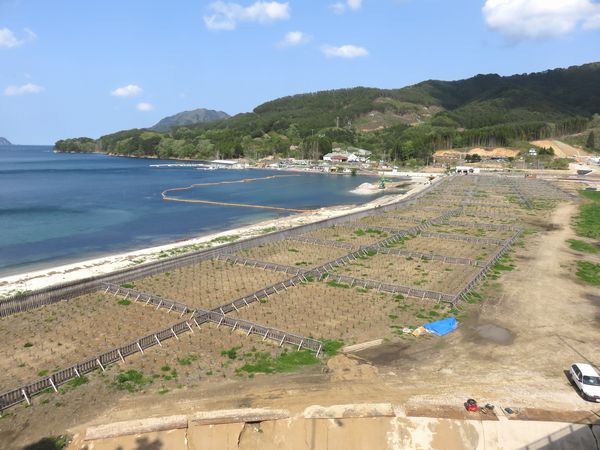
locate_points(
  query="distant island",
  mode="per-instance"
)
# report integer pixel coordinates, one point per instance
(404, 125)
(4, 141)
(187, 118)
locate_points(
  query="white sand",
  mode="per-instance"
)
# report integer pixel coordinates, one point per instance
(39, 279)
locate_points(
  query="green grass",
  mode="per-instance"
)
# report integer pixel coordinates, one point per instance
(27, 344)
(293, 250)
(232, 353)
(286, 362)
(587, 222)
(334, 283)
(188, 360)
(124, 302)
(131, 381)
(582, 246)
(79, 381)
(589, 272)
(225, 239)
(331, 347)
(128, 285)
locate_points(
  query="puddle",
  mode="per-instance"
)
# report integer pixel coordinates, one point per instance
(495, 334)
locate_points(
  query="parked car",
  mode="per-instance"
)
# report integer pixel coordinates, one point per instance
(587, 381)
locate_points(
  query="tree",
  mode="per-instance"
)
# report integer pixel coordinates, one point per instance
(591, 141)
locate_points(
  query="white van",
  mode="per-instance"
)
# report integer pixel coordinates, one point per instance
(587, 381)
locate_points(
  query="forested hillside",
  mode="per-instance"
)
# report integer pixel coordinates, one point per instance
(403, 124)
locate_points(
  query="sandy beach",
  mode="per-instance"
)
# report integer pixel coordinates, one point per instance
(31, 281)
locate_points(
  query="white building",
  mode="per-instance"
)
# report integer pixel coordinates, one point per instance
(226, 164)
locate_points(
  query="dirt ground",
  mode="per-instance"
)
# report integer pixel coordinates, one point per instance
(511, 350)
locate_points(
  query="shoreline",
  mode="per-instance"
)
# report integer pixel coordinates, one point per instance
(39, 279)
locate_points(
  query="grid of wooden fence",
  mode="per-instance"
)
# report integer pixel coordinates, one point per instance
(482, 273)
(388, 287)
(30, 300)
(247, 262)
(464, 237)
(431, 256)
(279, 336)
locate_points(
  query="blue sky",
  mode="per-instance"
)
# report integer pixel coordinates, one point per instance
(82, 68)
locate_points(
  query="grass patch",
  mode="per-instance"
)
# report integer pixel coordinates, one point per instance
(582, 246)
(293, 250)
(286, 362)
(128, 285)
(331, 347)
(131, 381)
(587, 222)
(589, 272)
(225, 239)
(268, 230)
(124, 302)
(79, 381)
(188, 360)
(42, 373)
(334, 283)
(27, 344)
(360, 233)
(232, 353)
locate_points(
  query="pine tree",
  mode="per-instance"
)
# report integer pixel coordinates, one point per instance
(591, 141)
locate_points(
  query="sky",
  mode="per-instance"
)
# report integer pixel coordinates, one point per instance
(71, 68)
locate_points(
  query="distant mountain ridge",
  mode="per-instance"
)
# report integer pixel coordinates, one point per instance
(4, 141)
(187, 118)
(405, 125)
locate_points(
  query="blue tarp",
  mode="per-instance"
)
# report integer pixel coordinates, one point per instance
(442, 327)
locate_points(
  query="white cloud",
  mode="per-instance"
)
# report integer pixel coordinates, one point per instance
(294, 38)
(131, 90)
(9, 40)
(522, 19)
(24, 89)
(344, 51)
(226, 15)
(342, 7)
(143, 106)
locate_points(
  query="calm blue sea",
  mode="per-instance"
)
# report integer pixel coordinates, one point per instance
(59, 208)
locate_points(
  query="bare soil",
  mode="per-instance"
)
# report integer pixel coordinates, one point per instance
(208, 284)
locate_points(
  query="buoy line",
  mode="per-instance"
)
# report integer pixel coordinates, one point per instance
(166, 197)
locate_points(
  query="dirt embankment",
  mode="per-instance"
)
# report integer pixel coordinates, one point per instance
(561, 149)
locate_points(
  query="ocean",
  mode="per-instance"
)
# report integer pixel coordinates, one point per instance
(57, 208)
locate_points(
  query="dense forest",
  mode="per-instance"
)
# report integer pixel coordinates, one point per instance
(405, 124)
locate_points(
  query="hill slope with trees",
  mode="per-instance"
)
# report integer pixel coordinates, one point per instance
(403, 124)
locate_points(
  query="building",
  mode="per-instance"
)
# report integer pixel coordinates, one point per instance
(226, 164)
(356, 155)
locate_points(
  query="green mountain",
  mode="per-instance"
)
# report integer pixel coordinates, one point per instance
(402, 124)
(187, 118)
(4, 141)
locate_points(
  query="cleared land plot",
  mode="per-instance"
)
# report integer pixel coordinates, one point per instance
(470, 231)
(356, 237)
(499, 219)
(210, 354)
(338, 312)
(416, 212)
(405, 271)
(41, 341)
(385, 222)
(294, 253)
(208, 284)
(482, 211)
(447, 247)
